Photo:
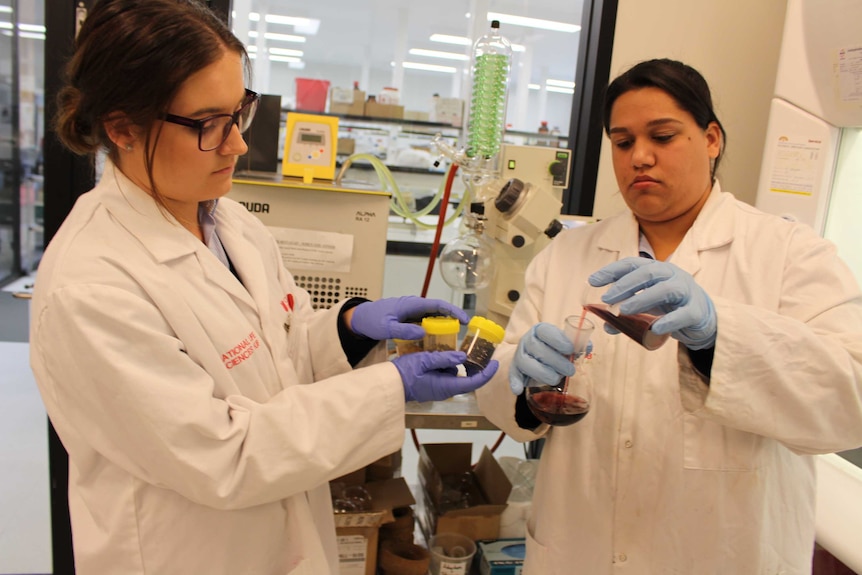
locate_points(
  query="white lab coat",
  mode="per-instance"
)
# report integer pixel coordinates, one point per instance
(196, 445)
(669, 476)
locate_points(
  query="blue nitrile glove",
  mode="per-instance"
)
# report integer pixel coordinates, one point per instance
(431, 376)
(389, 318)
(644, 284)
(543, 354)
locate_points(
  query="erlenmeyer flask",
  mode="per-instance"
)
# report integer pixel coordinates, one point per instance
(636, 326)
(569, 400)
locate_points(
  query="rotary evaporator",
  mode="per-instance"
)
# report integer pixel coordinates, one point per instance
(515, 192)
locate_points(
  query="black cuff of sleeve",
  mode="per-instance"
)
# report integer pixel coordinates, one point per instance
(355, 346)
(523, 416)
(701, 359)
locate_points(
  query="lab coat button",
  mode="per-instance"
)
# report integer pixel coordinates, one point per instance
(629, 443)
(622, 557)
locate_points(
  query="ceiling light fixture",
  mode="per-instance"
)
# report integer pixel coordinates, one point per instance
(428, 67)
(447, 39)
(534, 86)
(285, 52)
(559, 90)
(560, 83)
(533, 22)
(276, 58)
(438, 54)
(464, 41)
(303, 25)
(280, 37)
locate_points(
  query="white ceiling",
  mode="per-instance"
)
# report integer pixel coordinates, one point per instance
(355, 31)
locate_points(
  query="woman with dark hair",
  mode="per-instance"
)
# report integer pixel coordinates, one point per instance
(204, 404)
(696, 457)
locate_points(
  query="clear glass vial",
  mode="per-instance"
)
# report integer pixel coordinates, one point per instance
(481, 340)
(441, 333)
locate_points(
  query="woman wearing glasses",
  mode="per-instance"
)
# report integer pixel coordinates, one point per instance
(203, 403)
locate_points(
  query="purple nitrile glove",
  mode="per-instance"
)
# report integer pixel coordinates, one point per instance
(390, 318)
(431, 376)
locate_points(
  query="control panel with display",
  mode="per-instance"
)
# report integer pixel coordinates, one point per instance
(310, 146)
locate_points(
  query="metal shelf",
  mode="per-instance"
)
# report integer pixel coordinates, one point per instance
(459, 412)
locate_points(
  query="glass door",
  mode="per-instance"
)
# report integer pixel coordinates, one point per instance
(9, 203)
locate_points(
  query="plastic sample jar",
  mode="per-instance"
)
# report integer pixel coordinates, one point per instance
(441, 333)
(407, 346)
(481, 340)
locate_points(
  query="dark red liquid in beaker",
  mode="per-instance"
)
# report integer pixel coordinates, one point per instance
(636, 326)
(550, 405)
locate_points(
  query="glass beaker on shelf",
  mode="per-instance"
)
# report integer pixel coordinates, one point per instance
(568, 401)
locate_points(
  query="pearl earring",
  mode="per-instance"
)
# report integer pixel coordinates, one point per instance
(128, 147)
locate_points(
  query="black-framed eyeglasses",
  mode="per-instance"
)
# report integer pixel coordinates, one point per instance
(213, 131)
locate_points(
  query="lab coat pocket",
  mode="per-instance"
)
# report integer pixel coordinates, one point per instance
(712, 446)
(535, 561)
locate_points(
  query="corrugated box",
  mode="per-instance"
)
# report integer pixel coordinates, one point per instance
(376, 110)
(417, 116)
(486, 486)
(357, 533)
(346, 146)
(346, 102)
(448, 111)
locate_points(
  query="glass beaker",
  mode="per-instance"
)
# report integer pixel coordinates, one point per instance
(569, 400)
(636, 326)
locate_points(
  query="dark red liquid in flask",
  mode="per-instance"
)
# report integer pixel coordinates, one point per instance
(635, 326)
(553, 406)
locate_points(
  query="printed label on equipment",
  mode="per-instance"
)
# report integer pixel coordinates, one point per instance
(314, 250)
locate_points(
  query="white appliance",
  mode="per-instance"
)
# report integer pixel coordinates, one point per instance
(332, 239)
(812, 173)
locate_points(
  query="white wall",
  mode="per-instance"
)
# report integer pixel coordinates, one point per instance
(735, 45)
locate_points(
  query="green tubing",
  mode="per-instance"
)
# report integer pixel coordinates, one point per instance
(398, 204)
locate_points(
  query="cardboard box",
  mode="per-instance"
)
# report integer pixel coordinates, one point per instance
(387, 467)
(417, 116)
(441, 462)
(347, 102)
(375, 110)
(357, 533)
(501, 556)
(448, 111)
(346, 146)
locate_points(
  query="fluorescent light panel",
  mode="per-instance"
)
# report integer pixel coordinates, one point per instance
(302, 25)
(533, 22)
(560, 83)
(285, 52)
(464, 41)
(280, 37)
(559, 90)
(447, 39)
(428, 67)
(438, 54)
